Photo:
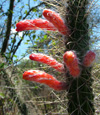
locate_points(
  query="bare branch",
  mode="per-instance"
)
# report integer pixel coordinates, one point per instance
(10, 13)
(34, 8)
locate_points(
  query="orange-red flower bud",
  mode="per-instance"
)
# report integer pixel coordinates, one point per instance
(56, 20)
(47, 60)
(89, 58)
(42, 77)
(71, 62)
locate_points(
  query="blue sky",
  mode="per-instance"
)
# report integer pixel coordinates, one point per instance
(96, 31)
(23, 46)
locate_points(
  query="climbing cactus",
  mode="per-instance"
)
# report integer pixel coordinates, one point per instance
(76, 67)
(80, 93)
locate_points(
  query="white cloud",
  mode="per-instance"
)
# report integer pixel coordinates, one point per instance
(26, 58)
(20, 34)
(13, 31)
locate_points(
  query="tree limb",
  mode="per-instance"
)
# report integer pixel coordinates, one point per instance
(10, 13)
(34, 8)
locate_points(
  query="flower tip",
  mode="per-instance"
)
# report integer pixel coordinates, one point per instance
(17, 30)
(45, 11)
(29, 75)
(57, 21)
(68, 56)
(25, 75)
(30, 57)
(18, 27)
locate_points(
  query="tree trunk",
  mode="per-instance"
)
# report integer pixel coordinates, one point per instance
(80, 94)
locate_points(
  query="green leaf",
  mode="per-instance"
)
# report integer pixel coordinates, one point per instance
(53, 43)
(28, 40)
(34, 10)
(16, 60)
(15, 56)
(22, 7)
(13, 40)
(2, 65)
(26, 43)
(2, 95)
(45, 36)
(48, 32)
(36, 87)
(34, 36)
(9, 54)
(25, 11)
(20, 17)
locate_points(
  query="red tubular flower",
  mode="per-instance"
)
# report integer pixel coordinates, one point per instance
(47, 60)
(25, 25)
(56, 20)
(35, 25)
(71, 62)
(89, 58)
(42, 77)
(44, 24)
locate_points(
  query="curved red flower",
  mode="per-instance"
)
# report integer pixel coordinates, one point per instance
(35, 24)
(25, 25)
(47, 60)
(56, 20)
(44, 24)
(42, 77)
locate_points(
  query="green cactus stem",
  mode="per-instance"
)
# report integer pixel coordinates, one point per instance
(80, 93)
